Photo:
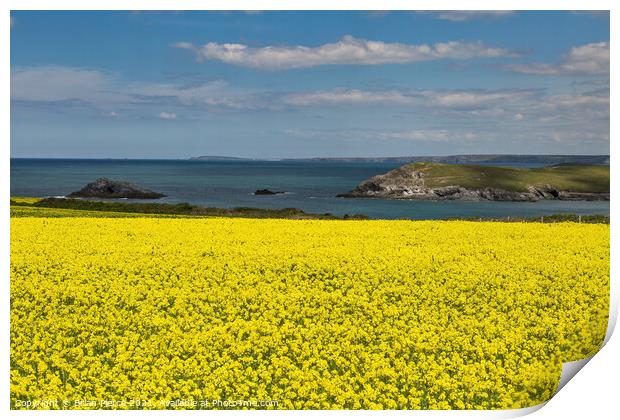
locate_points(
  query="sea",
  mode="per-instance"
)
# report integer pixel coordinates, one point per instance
(308, 185)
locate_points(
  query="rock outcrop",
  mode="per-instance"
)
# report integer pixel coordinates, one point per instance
(267, 192)
(106, 188)
(405, 183)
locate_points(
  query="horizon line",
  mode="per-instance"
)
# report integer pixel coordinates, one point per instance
(305, 158)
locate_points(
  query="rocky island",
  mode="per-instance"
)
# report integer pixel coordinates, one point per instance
(438, 181)
(106, 188)
(267, 192)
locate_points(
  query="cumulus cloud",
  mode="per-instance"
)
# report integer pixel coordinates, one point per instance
(465, 15)
(167, 115)
(589, 59)
(348, 50)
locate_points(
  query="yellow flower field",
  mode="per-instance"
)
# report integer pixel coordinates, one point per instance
(311, 314)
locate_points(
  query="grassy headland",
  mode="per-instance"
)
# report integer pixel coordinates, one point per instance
(580, 178)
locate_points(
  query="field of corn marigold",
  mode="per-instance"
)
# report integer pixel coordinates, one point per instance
(311, 314)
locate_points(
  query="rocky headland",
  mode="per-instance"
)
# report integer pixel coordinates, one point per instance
(434, 181)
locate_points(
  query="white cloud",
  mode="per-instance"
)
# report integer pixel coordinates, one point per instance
(416, 135)
(348, 50)
(346, 97)
(475, 98)
(106, 91)
(59, 83)
(58, 89)
(579, 137)
(465, 15)
(577, 100)
(427, 135)
(589, 59)
(430, 98)
(485, 137)
(473, 116)
(167, 115)
(577, 112)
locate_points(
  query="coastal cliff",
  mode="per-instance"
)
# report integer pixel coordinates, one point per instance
(435, 181)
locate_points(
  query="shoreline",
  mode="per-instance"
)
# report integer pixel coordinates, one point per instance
(67, 207)
(435, 195)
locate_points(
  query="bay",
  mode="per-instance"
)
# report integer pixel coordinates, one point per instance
(310, 186)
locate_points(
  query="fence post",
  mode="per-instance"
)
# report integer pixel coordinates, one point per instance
(579, 218)
(542, 219)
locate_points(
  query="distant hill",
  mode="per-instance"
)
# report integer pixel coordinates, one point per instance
(439, 181)
(468, 159)
(465, 159)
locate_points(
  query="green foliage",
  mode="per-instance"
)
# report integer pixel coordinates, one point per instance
(83, 208)
(552, 218)
(29, 211)
(64, 207)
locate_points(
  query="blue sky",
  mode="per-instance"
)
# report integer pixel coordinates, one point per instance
(304, 84)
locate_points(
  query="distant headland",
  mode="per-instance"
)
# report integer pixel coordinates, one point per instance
(456, 159)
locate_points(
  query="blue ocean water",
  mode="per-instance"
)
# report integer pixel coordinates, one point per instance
(310, 186)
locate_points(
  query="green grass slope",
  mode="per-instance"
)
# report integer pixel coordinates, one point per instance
(576, 178)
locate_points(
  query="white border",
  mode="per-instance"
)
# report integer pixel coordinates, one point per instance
(593, 393)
